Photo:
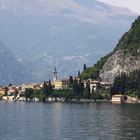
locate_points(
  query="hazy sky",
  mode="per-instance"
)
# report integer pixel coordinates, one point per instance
(133, 5)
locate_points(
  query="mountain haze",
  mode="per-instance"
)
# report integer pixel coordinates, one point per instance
(10, 70)
(42, 34)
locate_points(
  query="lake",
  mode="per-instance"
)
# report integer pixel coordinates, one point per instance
(69, 121)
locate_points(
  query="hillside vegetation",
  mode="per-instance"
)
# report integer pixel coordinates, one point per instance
(128, 84)
(130, 41)
(93, 72)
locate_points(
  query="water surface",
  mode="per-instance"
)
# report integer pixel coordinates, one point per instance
(67, 121)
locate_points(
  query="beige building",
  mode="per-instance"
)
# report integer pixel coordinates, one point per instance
(30, 85)
(2, 91)
(57, 84)
(65, 84)
(61, 84)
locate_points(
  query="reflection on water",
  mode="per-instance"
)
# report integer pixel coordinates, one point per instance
(57, 121)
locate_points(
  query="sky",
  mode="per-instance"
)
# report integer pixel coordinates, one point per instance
(133, 5)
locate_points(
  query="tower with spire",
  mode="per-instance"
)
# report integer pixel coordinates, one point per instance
(54, 74)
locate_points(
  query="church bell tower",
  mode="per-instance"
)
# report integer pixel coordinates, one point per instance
(54, 74)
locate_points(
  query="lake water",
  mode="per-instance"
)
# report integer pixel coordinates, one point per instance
(69, 121)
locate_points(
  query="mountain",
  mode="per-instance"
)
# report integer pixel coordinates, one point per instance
(10, 70)
(125, 58)
(62, 33)
(90, 10)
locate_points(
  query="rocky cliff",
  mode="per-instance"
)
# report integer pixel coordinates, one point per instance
(125, 57)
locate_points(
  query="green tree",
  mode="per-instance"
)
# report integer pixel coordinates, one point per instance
(29, 93)
(75, 87)
(39, 94)
(45, 89)
(49, 89)
(79, 74)
(70, 81)
(123, 82)
(80, 87)
(87, 90)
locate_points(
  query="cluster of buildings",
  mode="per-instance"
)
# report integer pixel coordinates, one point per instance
(12, 92)
(64, 84)
(17, 92)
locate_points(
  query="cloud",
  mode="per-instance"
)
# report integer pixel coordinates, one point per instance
(133, 5)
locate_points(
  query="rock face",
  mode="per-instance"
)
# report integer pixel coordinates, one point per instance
(125, 57)
(116, 64)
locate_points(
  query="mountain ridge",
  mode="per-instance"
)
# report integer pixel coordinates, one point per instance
(36, 39)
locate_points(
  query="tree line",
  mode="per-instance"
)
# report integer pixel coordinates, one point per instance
(128, 84)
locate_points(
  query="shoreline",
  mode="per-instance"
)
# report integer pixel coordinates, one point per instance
(73, 101)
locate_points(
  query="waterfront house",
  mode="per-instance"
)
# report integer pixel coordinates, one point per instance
(2, 90)
(8, 98)
(118, 98)
(117, 95)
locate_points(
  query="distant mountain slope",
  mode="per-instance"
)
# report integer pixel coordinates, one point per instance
(63, 33)
(10, 70)
(124, 59)
(89, 10)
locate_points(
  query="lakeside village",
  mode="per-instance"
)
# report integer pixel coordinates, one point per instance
(71, 89)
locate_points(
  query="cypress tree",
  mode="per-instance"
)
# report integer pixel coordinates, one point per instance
(70, 81)
(45, 89)
(85, 67)
(79, 74)
(50, 88)
(75, 87)
(139, 84)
